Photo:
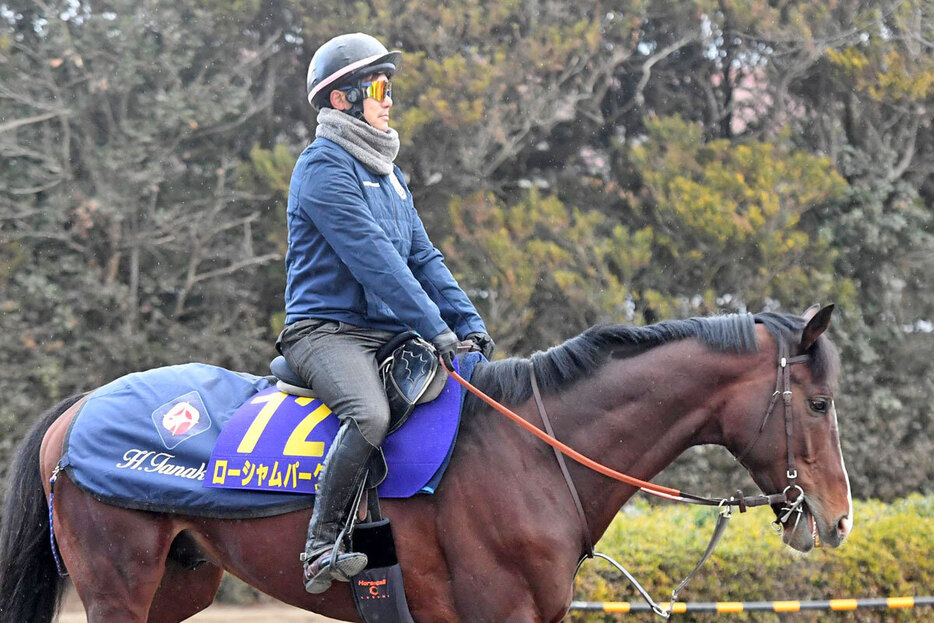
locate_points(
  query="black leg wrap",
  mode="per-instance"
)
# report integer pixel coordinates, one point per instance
(378, 590)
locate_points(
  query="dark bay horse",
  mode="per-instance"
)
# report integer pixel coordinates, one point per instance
(501, 538)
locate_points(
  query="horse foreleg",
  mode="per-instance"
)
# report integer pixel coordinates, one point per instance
(116, 557)
(184, 592)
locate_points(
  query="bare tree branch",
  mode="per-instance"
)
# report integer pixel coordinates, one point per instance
(253, 261)
(638, 97)
(45, 235)
(908, 154)
(17, 123)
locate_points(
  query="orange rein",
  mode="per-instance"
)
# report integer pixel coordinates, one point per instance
(647, 487)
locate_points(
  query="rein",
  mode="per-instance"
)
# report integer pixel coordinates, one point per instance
(738, 499)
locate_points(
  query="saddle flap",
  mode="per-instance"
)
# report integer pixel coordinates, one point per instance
(409, 372)
(409, 369)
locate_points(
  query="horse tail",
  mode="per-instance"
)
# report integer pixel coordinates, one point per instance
(30, 586)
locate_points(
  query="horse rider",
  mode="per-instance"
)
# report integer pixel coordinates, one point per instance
(360, 270)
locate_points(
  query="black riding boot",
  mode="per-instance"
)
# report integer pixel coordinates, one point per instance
(344, 468)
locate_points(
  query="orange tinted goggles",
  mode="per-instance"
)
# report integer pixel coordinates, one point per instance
(378, 89)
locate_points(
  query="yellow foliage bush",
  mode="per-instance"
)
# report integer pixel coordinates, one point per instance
(888, 554)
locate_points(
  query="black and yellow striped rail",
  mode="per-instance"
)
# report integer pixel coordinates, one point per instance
(681, 607)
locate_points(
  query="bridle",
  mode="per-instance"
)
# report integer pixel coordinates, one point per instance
(783, 388)
(789, 506)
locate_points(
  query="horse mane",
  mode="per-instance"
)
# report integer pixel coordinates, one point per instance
(508, 380)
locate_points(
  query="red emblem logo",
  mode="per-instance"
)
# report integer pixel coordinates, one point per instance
(180, 418)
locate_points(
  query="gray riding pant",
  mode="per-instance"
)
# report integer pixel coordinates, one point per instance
(338, 360)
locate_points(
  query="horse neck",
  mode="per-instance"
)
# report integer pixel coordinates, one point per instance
(638, 415)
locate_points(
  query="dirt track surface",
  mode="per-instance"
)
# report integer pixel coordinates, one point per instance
(230, 614)
(72, 612)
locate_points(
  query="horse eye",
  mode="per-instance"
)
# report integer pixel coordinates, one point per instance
(819, 405)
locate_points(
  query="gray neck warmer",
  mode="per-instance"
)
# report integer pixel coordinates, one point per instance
(373, 148)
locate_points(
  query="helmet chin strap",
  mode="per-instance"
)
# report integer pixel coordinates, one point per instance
(356, 111)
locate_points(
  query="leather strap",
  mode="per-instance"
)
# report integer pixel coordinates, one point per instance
(783, 389)
(588, 543)
(722, 520)
(784, 365)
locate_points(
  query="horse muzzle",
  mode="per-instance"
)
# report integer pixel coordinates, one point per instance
(807, 527)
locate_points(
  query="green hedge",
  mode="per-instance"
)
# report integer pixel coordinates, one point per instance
(888, 554)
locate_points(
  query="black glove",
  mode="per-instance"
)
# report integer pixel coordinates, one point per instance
(484, 343)
(446, 343)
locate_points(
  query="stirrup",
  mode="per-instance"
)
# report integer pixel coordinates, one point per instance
(340, 566)
(317, 582)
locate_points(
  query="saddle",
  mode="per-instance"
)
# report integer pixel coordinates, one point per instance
(408, 367)
(411, 375)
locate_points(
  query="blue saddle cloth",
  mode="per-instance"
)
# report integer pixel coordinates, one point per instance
(145, 441)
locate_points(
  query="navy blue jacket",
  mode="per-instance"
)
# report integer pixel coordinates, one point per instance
(358, 252)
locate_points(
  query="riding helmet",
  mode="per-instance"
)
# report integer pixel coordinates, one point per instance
(345, 58)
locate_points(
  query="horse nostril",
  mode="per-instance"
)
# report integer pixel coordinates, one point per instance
(844, 525)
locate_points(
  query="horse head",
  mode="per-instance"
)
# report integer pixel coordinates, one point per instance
(789, 441)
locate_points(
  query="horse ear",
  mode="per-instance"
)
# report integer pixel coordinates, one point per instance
(810, 311)
(818, 321)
